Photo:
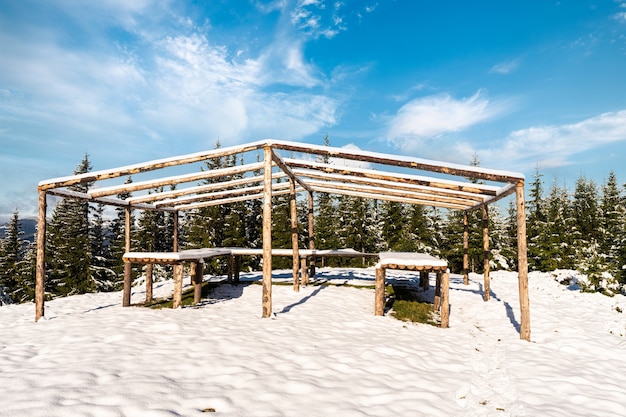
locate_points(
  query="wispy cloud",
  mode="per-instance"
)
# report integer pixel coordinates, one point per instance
(506, 67)
(555, 145)
(432, 116)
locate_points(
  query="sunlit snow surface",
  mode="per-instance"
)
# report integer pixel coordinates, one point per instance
(323, 353)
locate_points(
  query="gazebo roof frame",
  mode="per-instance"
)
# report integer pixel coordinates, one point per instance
(262, 180)
(383, 184)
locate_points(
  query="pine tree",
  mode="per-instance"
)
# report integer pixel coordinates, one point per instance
(10, 254)
(281, 227)
(117, 244)
(325, 213)
(392, 216)
(68, 243)
(611, 224)
(538, 240)
(561, 254)
(101, 272)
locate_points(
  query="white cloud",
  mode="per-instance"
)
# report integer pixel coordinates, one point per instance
(620, 16)
(432, 116)
(506, 67)
(553, 146)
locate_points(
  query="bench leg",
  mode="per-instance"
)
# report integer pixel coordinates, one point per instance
(178, 285)
(424, 280)
(149, 283)
(128, 270)
(237, 268)
(437, 301)
(445, 301)
(379, 296)
(197, 273)
(231, 263)
(304, 271)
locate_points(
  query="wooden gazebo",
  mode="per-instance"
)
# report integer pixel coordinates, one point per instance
(388, 177)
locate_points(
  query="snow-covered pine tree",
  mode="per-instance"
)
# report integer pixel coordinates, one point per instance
(26, 267)
(509, 248)
(10, 255)
(325, 214)
(101, 272)
(154, 234)
(538, 238)
(117, 243)
(612, 224)
(586, 233)
(281, 227)
(392, 218)
(354, 228)
(69, 249)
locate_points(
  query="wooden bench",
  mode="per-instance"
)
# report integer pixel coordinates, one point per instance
(415, 262)
(196, 258)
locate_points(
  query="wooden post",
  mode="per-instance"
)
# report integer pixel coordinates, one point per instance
(305, 271)
(445, 299)
(197, 272)
(311, 235)
(231, 268)
(294, 235)
(149, 283)
(379, 296)
(127, 265)
(237, 267)
(175, 237)
(465, 248)
(40, 277)
(437, 300)
(522, 262)
(178, 285)
(267, 232)
(487, 280)
(424, 280)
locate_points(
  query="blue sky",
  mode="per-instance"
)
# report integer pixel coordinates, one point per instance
(521, 84)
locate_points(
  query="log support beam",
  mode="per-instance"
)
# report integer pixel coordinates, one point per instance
(149, 283)
(40, 274)
(178, 285)
(294, 236)
(522, 263)
(197, 274)
(311, 272)
(127, 265)
(379, 296)
(465, 248)
(487, 280)
(267, 232)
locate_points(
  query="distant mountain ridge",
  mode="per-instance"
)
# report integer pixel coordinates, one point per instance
(28, 226)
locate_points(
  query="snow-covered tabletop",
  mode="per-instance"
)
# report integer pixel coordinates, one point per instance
(410, 259)
(184, 255)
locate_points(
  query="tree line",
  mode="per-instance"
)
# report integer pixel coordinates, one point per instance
(583, 229)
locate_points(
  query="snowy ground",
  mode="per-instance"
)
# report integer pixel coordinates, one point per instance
(324, 353)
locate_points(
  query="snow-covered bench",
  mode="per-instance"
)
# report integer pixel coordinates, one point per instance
(196, 258)
(413, 261)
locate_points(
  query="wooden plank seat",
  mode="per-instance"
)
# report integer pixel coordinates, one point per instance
(414, 261)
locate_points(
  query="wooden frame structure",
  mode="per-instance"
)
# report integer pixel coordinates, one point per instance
(388, 177)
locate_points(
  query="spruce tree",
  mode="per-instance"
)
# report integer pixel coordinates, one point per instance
(611, 224)
(101, 272)
(10, 254)
(392, 216)
(536, 230)
(117, 244)
(69, 248)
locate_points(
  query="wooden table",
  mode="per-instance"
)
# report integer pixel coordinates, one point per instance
(413, 261)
